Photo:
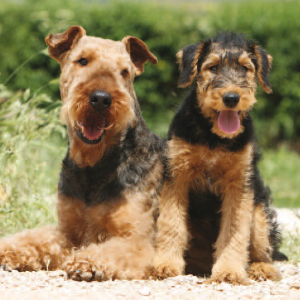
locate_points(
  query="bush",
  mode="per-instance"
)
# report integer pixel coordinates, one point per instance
(29, 159)
(275, 24)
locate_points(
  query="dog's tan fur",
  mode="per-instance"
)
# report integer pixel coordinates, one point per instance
(103, 239)
(107, 60)
(188, 244)
(189, 168)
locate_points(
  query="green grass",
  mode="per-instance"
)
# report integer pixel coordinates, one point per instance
(291, 245)
(28, 192)
(31, 150)
(280, 170)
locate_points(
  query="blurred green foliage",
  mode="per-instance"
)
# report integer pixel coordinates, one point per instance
(32, 139)
(275, 24)
(31, 150)
(280, 170)
(23, 27)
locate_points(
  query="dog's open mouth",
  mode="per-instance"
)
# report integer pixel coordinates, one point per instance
(91, 133)
(229, 121)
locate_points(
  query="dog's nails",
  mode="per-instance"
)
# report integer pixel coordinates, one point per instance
(6, 268)
(87, 276)
(76, 277)
(99, 276)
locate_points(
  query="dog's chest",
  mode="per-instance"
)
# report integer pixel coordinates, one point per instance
(207, 169)
(204, 165)
(97, 223)
(95, 185)
(211, 168)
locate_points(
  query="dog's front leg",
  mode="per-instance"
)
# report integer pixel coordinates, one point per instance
(118, 258)
(172, 232)
(33, 250)
(231, 247)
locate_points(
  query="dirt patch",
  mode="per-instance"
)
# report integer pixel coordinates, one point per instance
(54, 285)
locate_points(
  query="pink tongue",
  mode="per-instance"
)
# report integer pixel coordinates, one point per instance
(229, 121)
(92, 133)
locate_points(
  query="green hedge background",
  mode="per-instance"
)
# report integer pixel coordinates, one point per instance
(33, 140)
(166, 28)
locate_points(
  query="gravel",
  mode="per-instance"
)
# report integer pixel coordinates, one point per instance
(44, 285)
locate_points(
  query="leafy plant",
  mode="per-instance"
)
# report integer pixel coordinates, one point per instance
(31, 150)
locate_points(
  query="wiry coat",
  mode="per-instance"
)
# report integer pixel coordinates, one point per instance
(111, 176)
(215, 213)
(204, 214)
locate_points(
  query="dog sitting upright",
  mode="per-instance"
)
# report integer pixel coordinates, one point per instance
(112, 173)
(214, 211)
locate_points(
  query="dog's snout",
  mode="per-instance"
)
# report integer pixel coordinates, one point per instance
(100, 100)
(231, 99)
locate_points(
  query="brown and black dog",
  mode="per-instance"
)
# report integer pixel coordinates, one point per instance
(214, 212)
(112, 173)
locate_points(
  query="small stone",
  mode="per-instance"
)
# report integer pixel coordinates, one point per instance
(295, 286)
(200, 281)
(145, 291)
(279, 292)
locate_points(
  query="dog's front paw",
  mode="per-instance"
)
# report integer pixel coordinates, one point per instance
(263, 271)
(9, 260)
(162, 270)
(23, 259)
(228, 273)
(79, 267)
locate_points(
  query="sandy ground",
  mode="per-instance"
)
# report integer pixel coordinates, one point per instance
(54, 285)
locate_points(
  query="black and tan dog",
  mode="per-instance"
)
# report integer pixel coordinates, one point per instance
(214, 212)
(111, 176)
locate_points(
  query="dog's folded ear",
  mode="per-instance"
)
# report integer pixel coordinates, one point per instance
(62, 42)
(139, 53)
(187, 59)
(190, 59)
(263, 64)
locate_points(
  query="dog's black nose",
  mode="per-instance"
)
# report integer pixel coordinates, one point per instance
(100, 100)
(231, 99)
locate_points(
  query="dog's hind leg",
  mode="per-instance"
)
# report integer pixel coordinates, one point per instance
(261, 267)
(32, 250)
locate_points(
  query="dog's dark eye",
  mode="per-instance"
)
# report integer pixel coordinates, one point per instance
(244, 68)
(124, 72)
(214, 68)
(83, 61)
